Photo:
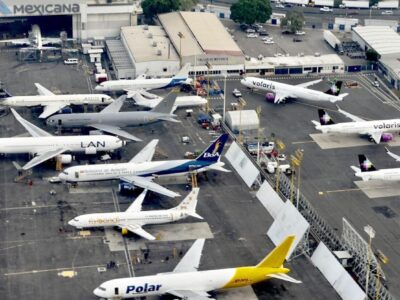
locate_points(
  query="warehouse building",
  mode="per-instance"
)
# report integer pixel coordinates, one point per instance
(81, 19)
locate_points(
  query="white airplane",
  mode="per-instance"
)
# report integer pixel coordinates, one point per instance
(143, 83)
(44, 146)
(140, 170)
(391, 154)
(367, 170)
(147, 99)
(52, 103)
(134, 218)
(35, 40)
(377, 131)
(278, 92)
(187, 282)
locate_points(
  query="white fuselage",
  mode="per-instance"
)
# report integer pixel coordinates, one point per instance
(163, 283)
(183, 101)
(41, 100)
(362, 127)
(290, 91)
(116, 171)
(128, 218)
(80, 143)
(137, 84)
(384, 174)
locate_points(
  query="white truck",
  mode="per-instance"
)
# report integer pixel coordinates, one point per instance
(333, 41)
(271, 164)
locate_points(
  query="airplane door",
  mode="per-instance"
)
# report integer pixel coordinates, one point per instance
(116, 291)
(59, 122)
(76, 174)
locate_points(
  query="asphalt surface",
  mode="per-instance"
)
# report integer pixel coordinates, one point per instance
(44, 258)
(326, 177)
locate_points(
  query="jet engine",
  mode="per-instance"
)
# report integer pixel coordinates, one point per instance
(124, 231)
(90, 150)
(386, 137)
(270, 97)
(126, 188)
(65, 158)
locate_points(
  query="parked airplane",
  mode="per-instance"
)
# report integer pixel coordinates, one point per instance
(134, 218)
(35, 40)
(186, 282)
(140, 170)
(147, 99)
(52, 103)
(367, 171)
(142, 83)
(377, 131)
(110, 119)
(391, 154)
(44, 146)
(278, 92)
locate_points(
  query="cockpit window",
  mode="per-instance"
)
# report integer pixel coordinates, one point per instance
(102, 288)
(66, 173)
(76, 220)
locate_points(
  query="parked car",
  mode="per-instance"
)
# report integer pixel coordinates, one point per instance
(250, 30)
(267, 38)
(264, 33)
(279, 5)
(326, 9)
(269, 42)
(288, 5)
(236, 93)
(387, 12)
(252, 35)
(376, 83)
(342, 6)
(71, 61)
(297, 39)
(300, 33)
(375, 6)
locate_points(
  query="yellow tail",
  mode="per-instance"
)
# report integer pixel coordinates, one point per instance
(277, 256)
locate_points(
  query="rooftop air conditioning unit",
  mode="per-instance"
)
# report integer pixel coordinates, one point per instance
(154, 44)
(159, 53)
(150, 35)
(146, 27)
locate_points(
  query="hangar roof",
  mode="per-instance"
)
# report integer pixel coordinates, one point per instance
(382, 39)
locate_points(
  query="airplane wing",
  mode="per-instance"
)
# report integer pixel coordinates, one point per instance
(115, 106)
(279, 97)
(147, 183)
(191, 261)
(32, 129)
(146, 154)
(136, 206)
(46, 41)
(191, 295)
(137, 229)
(51, 109)
(43, 91)
(309, 83)
(17, 42)
(395, 156)
(284, 277)
(41, 157)
(116, 131)
(350, 116)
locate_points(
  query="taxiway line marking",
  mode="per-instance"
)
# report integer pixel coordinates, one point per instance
(303, 142)
(343, 190)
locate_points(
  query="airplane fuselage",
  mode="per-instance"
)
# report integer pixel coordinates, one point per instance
(185, 101)
(137, 84)
(41, 100)
(120, 119)
(291, 91)
(362, 127)
(35, 145)
(116, 171)
(187, 281)
(392, 174)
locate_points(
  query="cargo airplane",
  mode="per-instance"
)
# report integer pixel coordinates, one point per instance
(187, 282)
(44, 146)
(278, 92)
(142, 83)
(134, 218)
(140, 170)
(111, 119)
(367, 171)
(147, 99)
(52, 103)
(378, 131)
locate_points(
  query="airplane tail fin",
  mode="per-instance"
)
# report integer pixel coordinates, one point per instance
(167, 105)
(213, 152)
(277, 256)
(335, 88)
(365, 164)
(189, 203)
(183, 73)
(324, 117)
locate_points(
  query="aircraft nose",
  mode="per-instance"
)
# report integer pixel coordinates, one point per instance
(71, 223)
(243, 81)
(98, 88)
(99, 293)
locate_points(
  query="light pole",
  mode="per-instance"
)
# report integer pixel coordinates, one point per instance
(371, 233)
(223, 113)
(181, 36)
(209, 67)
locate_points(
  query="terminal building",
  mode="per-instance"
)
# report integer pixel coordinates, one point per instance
(81, 19)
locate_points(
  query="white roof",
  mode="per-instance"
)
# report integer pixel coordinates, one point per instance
(383, 39)
(148, 43)
(243, 119)
(392, 62)
(295, 61)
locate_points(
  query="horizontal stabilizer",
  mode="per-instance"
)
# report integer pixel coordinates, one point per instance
(355, 169)
(395, 156)
(316, 123)
(169, 119)
(284, 277)
(195, 215)
(220, 168)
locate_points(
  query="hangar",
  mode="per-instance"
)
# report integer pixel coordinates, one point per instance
(81, 19)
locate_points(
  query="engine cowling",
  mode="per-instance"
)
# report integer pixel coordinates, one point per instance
(65, 158)
(90, 150)
(125, 187)
(386, 137)
(270, 97)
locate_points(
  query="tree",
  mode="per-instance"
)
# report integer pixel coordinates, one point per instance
(372, 55)
(152, 8)
(187, 4)
(251, 11)
(293, 21)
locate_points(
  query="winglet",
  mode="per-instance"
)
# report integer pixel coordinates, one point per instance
(277, 256)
